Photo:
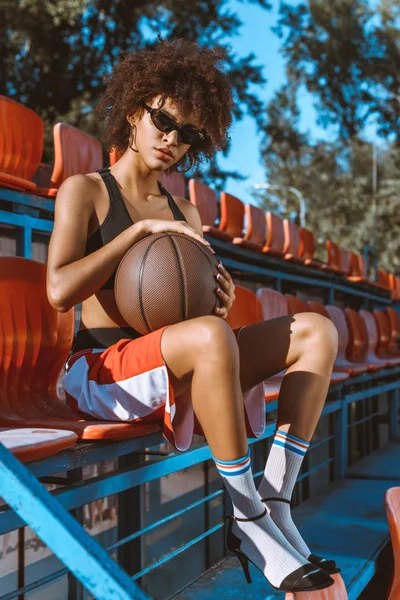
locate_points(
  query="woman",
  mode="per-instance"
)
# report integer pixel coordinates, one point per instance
(161, 107)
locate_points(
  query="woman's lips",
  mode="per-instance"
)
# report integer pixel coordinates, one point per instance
(162, 155)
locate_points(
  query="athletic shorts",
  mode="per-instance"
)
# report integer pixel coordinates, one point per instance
(129, 382)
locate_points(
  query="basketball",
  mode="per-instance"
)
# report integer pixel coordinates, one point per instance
(166, 278)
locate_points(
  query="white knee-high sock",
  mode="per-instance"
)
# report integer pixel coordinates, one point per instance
(281, 471)
(262, 541)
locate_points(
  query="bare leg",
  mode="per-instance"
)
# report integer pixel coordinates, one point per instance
(306, 345)
(211, 365)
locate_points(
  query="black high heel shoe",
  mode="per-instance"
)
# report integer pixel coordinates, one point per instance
(303, 579)
(327, 565)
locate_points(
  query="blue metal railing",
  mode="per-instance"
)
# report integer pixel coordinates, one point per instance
(47, 512)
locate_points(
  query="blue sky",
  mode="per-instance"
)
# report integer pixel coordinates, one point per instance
(256, 36)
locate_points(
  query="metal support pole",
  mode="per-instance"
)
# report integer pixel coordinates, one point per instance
(341, 445)
(394, 414)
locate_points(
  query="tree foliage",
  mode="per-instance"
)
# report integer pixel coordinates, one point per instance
(55, 53)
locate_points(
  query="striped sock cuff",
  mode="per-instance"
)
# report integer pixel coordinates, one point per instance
(234, 467)
(290, 442)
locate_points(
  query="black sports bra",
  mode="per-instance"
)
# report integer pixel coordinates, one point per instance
(118, 219)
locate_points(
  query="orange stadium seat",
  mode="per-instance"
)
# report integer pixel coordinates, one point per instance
(75, 152)
(34, 343)
(357, 349)
(291, 247)
(21, 145)
(370, 324)
(246, 310)
(29, 444)
(307, 249)
(394, 321)
(392, 507)
(345, 257)
(275, 235)
(333, 255)
(337, 315)
(337, 591)
(358, 268)
(232, 222)
(114, 156)
(254, 237)
(205, 200)
(295, 305)
(384, 337)
(383, 280)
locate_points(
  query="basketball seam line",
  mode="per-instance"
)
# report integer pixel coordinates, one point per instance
(140, 283)
(184, 307)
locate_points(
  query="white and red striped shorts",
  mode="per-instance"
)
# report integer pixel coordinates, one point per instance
(129, 381)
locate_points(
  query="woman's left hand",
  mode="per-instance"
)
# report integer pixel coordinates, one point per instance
(226, 291)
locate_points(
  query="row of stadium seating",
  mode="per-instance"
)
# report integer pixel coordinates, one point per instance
(241, 224)
(37, 339)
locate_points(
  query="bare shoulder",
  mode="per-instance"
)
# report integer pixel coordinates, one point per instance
(191, 213)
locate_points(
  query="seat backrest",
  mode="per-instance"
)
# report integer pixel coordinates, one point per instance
(383, 279)
(275, 232)
(75, 152)
(307, 243)
(317, 307)
(174, 182)
(333, 254)
(232, 215)
(245, 309)
(34, 338)
(372, 330)
(344, 261)
(295, 305)
(337, 315)
(21, 139)
(273, 304)
(337, 591)
(358, 336)
(392, 507)
(205, 200)
(394, 320)
(358, 266)
(292, 237)
(256, 228)
(383, 327)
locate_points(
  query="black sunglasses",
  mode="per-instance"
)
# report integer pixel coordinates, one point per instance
(188, 134)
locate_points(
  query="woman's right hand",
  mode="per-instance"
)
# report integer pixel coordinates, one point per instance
(152, 226)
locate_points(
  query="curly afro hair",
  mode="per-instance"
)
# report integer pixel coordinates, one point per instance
(181, 70)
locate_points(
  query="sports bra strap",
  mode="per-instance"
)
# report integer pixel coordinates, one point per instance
(111, 184)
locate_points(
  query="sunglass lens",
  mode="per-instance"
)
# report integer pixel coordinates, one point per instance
(163, 122)
(190, 135)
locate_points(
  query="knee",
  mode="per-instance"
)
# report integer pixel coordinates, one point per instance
(319, 331)
(215, 336)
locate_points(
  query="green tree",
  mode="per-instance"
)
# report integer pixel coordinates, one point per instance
(55, 53)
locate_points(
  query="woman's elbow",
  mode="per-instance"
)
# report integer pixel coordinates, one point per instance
(57, 298)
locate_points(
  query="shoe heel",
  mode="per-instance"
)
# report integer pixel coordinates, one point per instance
(244, 561)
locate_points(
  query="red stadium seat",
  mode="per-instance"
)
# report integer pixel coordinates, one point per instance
(394, 321)
(75, 152)
(392, 507)
(246, 310)
(254, 237)
(357, 349)
(291, 246)
(333, 255)
(275, 235)
(114, 156)
(205, 200)
(383, 280)
(307, 249)
(345, 257)
(384, 338)
(21, 145)
(35, 341)
(232, 222)
(342, 363)
(370, 324)
(337, 591)
(358, 268)
(295, 305)
(34, 444)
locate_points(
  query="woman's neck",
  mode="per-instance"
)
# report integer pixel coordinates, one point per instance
(135, 178)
